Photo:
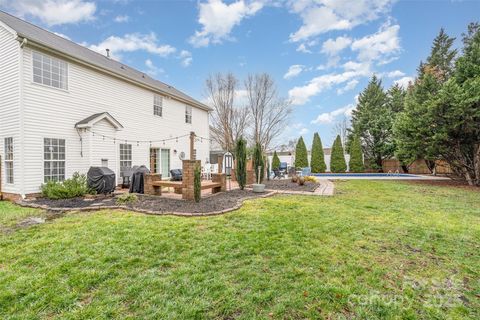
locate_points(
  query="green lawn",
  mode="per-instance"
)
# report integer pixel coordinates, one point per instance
(376, 250)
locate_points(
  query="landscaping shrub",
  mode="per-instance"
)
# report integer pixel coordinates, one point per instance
(337, 160)
(275, 161)
(301, 181)
(356, 156)
(310, 179)
(76, 186)
(197, 183)
(294, 178)
(258, 161)
(127, 198)
(301, 156)
(317, 162)
(241, 163)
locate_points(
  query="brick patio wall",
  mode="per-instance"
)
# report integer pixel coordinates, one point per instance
(149, 178)
(188, 178)
(221, 178)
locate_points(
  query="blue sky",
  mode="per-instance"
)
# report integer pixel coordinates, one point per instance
(321, 53)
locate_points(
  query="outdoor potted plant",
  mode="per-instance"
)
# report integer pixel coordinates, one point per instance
(258, 164)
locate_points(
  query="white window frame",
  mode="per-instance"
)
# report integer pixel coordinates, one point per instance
(9, 174)
(125, 156)
(54, 159)
(49, 71)
(157, 105)
(188, 114)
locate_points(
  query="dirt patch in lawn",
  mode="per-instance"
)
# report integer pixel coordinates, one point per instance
(288, 185)
(445, 183)
(214, 204)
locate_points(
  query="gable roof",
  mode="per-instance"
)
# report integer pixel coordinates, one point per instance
(88, 122)
(50, 40)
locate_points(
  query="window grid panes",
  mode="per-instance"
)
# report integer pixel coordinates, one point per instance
(9, 160)
(54, 159)
(49, 71)
(125, 156)
(188, 114)
(157, 105)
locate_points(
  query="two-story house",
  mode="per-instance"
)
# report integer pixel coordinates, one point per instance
(65, 108)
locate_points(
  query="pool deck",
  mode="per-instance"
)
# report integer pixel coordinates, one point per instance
(381, 177)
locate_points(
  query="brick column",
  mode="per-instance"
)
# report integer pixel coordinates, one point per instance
(188, 178)
(148, 187)
(220, 178)
(220, 163)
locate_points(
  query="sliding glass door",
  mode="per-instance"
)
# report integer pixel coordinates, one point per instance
(165, 162)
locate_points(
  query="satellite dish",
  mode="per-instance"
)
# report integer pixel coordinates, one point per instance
(182, 155)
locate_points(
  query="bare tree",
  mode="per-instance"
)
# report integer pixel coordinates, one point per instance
(341, 128)
(228, 122)
(269, 112)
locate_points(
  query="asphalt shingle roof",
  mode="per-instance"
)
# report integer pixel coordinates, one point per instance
(43, 37)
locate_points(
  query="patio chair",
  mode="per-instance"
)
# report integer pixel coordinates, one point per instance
(306, 171)
(278, 174)
(207, 172)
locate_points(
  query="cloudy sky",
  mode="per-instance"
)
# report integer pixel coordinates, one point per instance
(321, 52)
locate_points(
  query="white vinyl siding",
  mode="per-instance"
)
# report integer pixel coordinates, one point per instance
(53, 159)
(125, 156)
(188, 114)
(158, 105)
(49, 71)
(9, 160)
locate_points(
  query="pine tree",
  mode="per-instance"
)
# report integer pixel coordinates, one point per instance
(275, 161)
(258, 162)
(337, 160)
(442, 55)
(241, 163)
(317, 161)
(301, 155)
(396, 98)
(356, 157)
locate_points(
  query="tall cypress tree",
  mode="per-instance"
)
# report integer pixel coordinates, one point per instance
(301, 155)
(258, 162)
(241, 162)
(275, 161)
(356, 157)
(337, 159)
(317, 162)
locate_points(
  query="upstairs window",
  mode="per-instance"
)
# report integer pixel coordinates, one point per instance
(188, 114)
(49, 71)
(9, 160)
(158, 105)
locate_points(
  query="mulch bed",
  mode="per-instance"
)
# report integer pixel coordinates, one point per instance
(288, 185)
(217, 203)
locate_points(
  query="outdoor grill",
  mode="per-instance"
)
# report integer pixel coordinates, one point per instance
(101, 179)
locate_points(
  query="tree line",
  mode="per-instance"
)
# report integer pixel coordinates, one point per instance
(436, 118)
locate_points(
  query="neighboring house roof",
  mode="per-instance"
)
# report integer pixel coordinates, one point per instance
(88, 122)
(50, 40)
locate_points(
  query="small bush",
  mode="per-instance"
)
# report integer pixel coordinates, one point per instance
(310, 179)
(127, 198)
(197, 183)
(294, 178)
(301, 181)
(76, 186)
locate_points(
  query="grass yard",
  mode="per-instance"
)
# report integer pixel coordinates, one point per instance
(376, 250)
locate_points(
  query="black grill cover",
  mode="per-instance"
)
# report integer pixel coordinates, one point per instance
(101, 179)
(137, 183)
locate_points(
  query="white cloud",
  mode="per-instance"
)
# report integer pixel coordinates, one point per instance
(121, 18)
(152, 70)
(404, 82)
(303, 48)
(133, 42)
(218, 19)
(320, 16)
(55, 12)
(62, 35)
(294, 71)
(329, 117)
(332, 47)
(349, 86)
(395, 74)
(303, 131)
(380, 45)
(186, 57)
(301, 95)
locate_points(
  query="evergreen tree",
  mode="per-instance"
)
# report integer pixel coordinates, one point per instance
(356, 157)
(317, 161)
(301, 155)
(241, 162)
(258, 162)
(412, 129)
(197, 183)
(396, 98)
(275, 161)
(372, 121)
(337, 159)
